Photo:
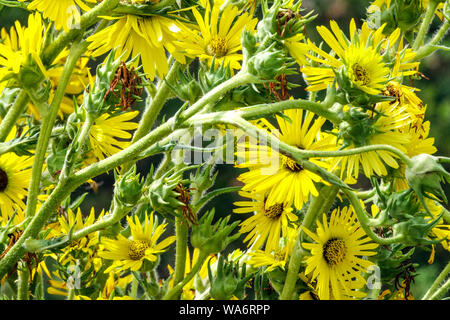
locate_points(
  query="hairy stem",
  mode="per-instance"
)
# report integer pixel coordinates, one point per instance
(14, 112)
(425, 25)
(47, 126)
(434, 289)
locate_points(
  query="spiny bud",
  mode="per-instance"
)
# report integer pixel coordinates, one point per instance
(211, 238)
(128, 188)
(229, 280)
(424, 175)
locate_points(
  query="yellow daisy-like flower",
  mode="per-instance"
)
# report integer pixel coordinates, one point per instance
(106, 132)
(267, 225)
(276, 258)
(278, 176)
(15, 175)
(143, 245)
(64, 13)
(219, 36)
(21, 45)
(148, 37)
(357, 58)
(336, 261)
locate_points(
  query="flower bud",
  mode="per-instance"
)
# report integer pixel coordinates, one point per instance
(162, 195)
(415, 230)
(424, 175)
(128, 188)
(186, 87)
(269, 63)
(213, 238)
(229, 280)
(211, 77)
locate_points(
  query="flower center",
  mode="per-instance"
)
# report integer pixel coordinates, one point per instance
(217, 47)
(137, 249)
(274, 211)
(334, 251)
(3, 180)
(360, 74)
(290, 164)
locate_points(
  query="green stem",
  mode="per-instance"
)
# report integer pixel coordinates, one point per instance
(434, 289)
(23, 276)
(261, 110)
(441, 291)
(214, 95)
(429, 14)
(13, 114)
(181, 231)
(157, 103)
(430, 47)
(47, 126)
(320, 204)
(177, 289)
(366, 222)
(71, 294)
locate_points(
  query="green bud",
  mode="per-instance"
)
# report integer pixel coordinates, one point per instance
(424, 176)
(356, 128)
(213, 238)
(414, 231)
(162, 195)
(94, 101)
(211, 77)
(186, 87)
(30, 75)
(128, 188)
(229, 280)
(203, 180)
(402, 205)
(269, 63)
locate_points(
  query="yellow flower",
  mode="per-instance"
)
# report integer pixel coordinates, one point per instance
(267, 225)
(131, 253)
(148, 37)
(278, 176)
(21, 45)
(358, 58)
(106, 132)
(276, 258)
(15, 175)
(64, 13)
(336, 256)
(219, 36)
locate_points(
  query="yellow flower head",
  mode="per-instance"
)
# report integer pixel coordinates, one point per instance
(21, 45)
(110, 135)
(336, 260)
(219, 36)
(267, 225)
(279, 177)
(143, 245)
(148, 37)
(360, 58)
(64, 13)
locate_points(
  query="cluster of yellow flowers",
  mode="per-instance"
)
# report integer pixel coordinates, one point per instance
(305, 223)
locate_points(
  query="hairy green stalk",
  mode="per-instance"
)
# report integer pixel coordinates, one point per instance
(14, 112)
(47, 126)
(425, 25)
(435, 290)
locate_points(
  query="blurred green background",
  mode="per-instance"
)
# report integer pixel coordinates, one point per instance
(435, 93)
